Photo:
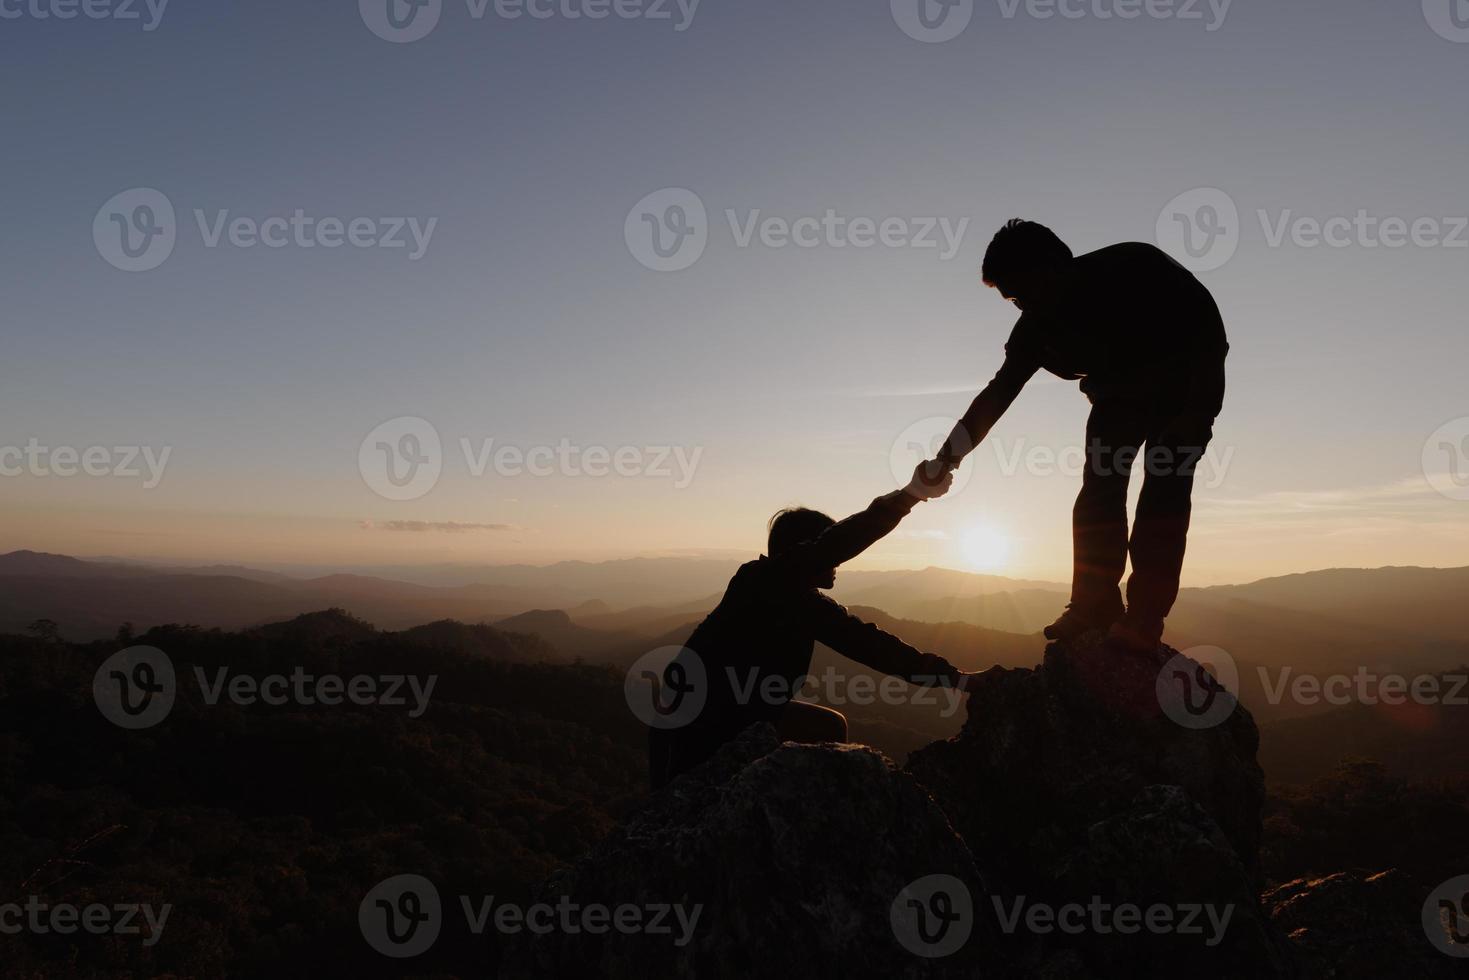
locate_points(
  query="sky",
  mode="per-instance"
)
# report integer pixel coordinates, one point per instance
(424, 240)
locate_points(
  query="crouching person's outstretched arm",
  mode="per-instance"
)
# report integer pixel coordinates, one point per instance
(846, 539)
(876, 648)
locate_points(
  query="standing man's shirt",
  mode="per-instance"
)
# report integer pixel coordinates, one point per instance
(1130, 324)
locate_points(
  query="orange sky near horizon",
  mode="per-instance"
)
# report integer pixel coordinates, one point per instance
(1231, 541)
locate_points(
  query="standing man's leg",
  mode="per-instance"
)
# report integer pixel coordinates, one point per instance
(1160, 532)
(1114, 434)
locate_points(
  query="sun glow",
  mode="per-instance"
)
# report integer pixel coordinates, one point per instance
(985, 548)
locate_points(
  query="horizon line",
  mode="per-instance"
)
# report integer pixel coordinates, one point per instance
(734, 556)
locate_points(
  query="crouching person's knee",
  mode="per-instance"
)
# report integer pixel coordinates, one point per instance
(804, 722)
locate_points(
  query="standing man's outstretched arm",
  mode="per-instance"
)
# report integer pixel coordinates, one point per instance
(988, 406)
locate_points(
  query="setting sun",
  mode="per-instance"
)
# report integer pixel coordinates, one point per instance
(985, 548)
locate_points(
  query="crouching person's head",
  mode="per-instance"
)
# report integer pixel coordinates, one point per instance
(795, 526)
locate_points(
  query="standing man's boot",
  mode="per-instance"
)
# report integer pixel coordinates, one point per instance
(1079, 619)
(1137, 633)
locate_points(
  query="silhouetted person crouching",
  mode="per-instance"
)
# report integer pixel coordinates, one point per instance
(753, 652)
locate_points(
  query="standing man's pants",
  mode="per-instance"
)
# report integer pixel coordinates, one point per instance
(1121, 437)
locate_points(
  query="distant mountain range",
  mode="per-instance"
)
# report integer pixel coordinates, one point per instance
(1325, 622)
(620, 583)
(90, 600)
(1407, 621)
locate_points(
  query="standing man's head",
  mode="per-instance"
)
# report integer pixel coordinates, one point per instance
(796, 526)
(1026, 262)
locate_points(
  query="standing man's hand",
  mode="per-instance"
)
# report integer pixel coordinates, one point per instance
(931, 479)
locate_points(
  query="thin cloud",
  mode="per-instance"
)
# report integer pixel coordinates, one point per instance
(970, 388)
(421, 527)
(1410, 502)
(1408, 492)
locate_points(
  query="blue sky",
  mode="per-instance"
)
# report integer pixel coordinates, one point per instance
(792, 371)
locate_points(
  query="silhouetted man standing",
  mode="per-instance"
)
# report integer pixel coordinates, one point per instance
(1146, 340)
